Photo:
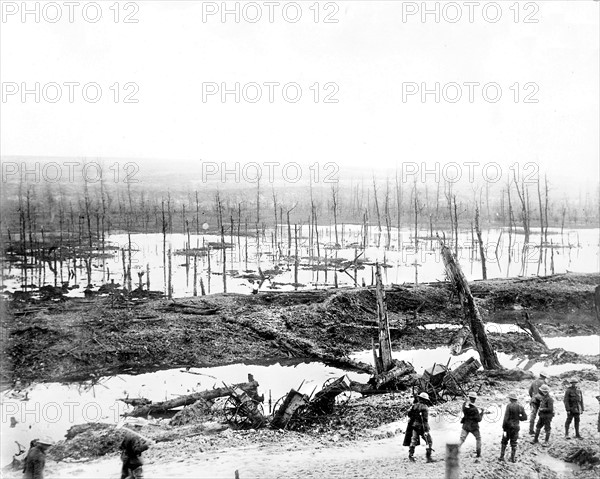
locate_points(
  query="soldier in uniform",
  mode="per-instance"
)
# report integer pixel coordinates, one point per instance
(534, 402)
(470, 422)
(35, 462)
(511, 425)
(574, 406)
(418, 426)
(132, 448)
(546, 413)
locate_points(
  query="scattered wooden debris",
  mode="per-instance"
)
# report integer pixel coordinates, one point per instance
(249, 387)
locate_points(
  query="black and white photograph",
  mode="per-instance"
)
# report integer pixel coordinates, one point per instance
(301, 239)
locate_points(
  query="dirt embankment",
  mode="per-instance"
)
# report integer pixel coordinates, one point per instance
(87, 338)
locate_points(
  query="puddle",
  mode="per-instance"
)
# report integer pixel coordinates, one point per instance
(246, 257)
(578, 344)
(52, 408)
(558, 466)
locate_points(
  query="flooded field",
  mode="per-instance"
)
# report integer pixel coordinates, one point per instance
(199, 263)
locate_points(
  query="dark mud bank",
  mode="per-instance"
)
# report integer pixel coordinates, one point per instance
(86, 338)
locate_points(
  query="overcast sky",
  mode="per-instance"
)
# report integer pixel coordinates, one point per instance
(369, 53)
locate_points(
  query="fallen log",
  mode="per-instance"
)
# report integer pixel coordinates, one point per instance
(249, 387)
(399, 372)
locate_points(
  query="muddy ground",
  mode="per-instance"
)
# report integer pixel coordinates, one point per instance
(80, 339)
(364, 440)
(83, 339)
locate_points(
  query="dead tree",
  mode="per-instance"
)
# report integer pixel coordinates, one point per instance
(383, 362)
(480, 241)
(471, 312)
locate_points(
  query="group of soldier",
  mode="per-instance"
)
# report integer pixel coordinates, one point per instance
(541, 408)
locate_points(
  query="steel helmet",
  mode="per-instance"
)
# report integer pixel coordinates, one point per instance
(472, 394)
(545, 388)
(46, 440)
(543, 373)
(424, 396)
(573, 380)
(512, 395)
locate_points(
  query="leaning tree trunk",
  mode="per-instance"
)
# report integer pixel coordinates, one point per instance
(486, 351)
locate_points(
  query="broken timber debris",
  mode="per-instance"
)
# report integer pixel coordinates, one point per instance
(471, 311)
(159, 407)
(530, 328)
(292, 402)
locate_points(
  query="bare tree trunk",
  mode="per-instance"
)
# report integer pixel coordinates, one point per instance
(385, 343)
(471, 311)
(480, 241)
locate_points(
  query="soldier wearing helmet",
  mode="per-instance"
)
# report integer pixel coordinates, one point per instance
(418, 426)
(472, 416)
(573, 401)
(535, 398)
(513, 414)
(546, 413)
(35, 462)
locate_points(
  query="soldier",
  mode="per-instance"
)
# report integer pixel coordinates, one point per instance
(574, 406)
(131, 449)
(534, 402)
(546, 413)
(512, 416)
(418, 426)
(35, 462)
(470, 422)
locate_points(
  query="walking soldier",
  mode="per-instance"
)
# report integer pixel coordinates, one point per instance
(534, 402)
(418, 426)
(511, 425)
(470, 422)
(546, 413)
(574, 405)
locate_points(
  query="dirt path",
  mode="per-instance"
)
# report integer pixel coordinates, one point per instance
(368, 459)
